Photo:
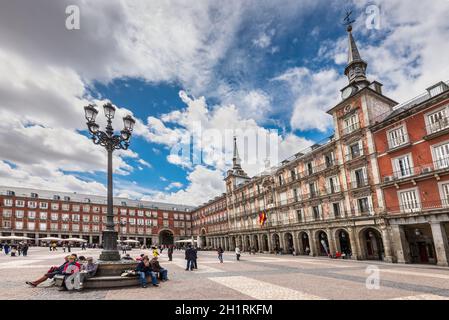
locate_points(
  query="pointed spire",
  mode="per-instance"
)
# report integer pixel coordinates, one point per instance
(356, 68)
(236, 158)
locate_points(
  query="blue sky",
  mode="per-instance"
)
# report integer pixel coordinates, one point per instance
(176, 66)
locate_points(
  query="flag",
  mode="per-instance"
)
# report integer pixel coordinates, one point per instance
(262, 218)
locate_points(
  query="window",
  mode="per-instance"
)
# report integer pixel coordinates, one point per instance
(296, 194)
(441, 156)
(19, 225)
(313, 190)
(20, 203)
(336, 209)
(147, 214)
(6, 224)
(54, 226)
(140, 222)
(95, 228)
(155, 222)
(65, 227)
(19, 214)
(359, 178)
(148, 222)
(104, 209)
(75, 208)
(65, 217)
(283, 198)
(350, 124)
(355, 150)
(65, 207)
(309, 168)
(32, 204)
(32, 215)
(140, 213)
(86, 208)
(76, 217)
(299, 215)
(31, 225)
(166, 223)
(132, 212)
(43, 205)
(55, 206)
(402, 166)
(95, 218)
(96, 209)
(42, 226)
(43, 215)
(316, 212)
(437, 121)
(7, 202)
(363, 205)
(175, 216)
(123, 210)
(397, 137)
(7, 213)
(86, 228)
(154, 213)
(86, 218)
(332, 185)
(165, 215)
(444, 192)
(132, 221)
(181, 217)
(54, 216)
(75, 227)
(409, 200)
(329, 159)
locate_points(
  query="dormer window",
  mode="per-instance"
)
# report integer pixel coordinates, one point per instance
(351, 124)
(436, 89)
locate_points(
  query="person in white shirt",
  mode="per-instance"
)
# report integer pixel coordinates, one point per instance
(237, 253)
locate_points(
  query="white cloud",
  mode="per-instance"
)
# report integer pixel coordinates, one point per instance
(315, 93)
(173, 185)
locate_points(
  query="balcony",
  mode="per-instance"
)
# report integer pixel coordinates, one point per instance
(359, 183)
(438, 128)
(312, 195)
(350, 129)
(398, 142)
(333, 189)
(419, 207)
(354, 155)
(415, 172)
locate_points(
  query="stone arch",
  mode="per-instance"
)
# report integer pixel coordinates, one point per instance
(166, 237)
(322, 241)
(304, 242)
(343, 241)
(289, 242)
(371, 243)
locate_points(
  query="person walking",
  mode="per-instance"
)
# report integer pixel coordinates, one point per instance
(83, 246)
(220, 254)
(195, 258)
(69, 247)
(25, 249)
(170, 253)
(64, 246)
(237, 253)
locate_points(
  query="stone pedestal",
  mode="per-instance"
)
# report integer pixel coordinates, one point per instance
(110, 252)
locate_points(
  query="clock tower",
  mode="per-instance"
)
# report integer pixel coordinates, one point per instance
(355, 69)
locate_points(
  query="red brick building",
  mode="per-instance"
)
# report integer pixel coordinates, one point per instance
(210, 222)
(412, 144)
(38, 213)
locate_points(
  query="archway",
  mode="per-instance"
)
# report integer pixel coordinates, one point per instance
(344, 243)
(372, 245)
(256, 242)
(305, 243)
(276, 243)
(323, 243)
(166, 237)
(288, 240)
(247, 243)
(265, 245)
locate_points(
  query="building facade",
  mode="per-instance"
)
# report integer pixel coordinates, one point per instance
(336, 195)
(413, 154)
(38, 214)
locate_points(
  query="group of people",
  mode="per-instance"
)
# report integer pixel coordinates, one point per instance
(191, 256)
(15, 250)
(75, 271)
(147, 267)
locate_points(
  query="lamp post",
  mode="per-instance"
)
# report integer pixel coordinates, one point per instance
(110, 142)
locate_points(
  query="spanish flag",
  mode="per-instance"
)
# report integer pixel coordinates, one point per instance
(262, 218)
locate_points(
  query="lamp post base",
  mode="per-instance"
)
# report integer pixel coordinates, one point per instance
(110, 252)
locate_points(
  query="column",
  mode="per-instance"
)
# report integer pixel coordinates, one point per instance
(313, 244)
(387, 245)
(90, 239)
(296, 243)
(282, 242)
(400, 241)
(355, 245)
(441, 243)
(331, 239)
(270, 247)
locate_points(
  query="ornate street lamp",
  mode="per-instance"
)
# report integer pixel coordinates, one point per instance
(110, 142)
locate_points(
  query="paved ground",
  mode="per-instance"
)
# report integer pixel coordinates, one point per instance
(254, 277)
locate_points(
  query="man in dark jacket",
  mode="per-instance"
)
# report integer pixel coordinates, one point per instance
(156, 267)
(190, 257)
(170, 253)
(144, 269)
(195, 258)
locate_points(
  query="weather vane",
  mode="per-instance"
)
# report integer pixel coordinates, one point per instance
(348, 21)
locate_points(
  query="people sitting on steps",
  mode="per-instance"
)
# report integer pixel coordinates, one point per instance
(156, 267)
(50, 273)
(144, 270)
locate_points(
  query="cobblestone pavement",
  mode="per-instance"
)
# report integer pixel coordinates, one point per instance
(257, 276)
